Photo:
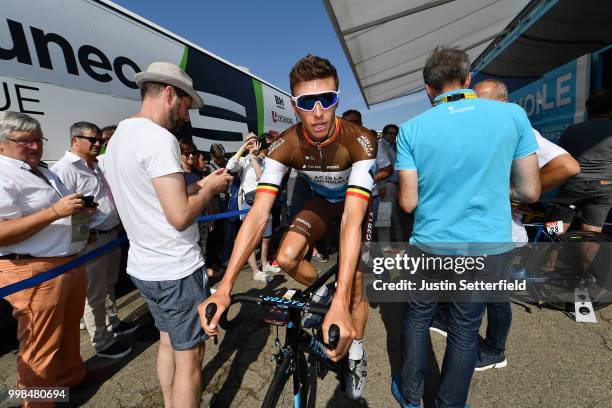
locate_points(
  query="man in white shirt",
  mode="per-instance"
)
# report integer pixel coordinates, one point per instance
(556, 166)
(143, 168)
(79, 171)
(39, 230)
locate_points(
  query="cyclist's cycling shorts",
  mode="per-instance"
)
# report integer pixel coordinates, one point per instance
(317, 216)
(595, 211)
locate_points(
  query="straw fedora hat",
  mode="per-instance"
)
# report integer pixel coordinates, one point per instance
(170, 74)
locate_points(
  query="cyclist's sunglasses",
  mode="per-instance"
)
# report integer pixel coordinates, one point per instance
(307, 102)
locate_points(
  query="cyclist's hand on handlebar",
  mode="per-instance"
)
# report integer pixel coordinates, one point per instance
(339, 315)
(223, 303)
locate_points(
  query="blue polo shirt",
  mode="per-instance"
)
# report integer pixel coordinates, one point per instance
(462, 152)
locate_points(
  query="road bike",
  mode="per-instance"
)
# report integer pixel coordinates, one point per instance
(290, 357)
(574, 273)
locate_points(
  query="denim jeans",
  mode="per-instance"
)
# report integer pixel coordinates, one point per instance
(459, 360)
(499, 319)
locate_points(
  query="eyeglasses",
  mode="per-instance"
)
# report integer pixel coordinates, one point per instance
(91, 139)
(38, 141)
(187, 154)
(307, 102)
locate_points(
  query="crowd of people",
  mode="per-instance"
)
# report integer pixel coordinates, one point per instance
(437, 176)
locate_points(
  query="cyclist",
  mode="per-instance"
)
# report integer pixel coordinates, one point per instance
(590, 142)
(336, 158)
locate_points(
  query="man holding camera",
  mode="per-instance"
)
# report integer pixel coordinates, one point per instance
(79, 171)
(39, 231)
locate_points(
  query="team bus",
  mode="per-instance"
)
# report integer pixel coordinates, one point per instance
(64, 61)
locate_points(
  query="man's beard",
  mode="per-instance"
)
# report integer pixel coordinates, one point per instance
(174, 125)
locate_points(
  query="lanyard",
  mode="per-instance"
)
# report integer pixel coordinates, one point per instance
(455, 97)
(36, 171)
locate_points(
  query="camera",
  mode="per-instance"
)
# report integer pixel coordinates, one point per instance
(88, 202)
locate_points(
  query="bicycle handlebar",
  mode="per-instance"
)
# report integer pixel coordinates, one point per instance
(334, 330)
(211, 310)
(278, 301)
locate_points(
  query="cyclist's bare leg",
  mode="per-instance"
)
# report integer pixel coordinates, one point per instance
(589, 250)
(290, 257)
(591, 228)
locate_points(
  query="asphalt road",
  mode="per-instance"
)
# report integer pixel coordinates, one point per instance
(552, 362)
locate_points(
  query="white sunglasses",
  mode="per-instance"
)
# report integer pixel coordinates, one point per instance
(308, 101)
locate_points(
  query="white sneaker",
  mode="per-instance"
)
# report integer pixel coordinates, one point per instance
(261, 276)
(273, 269)
(355, 380)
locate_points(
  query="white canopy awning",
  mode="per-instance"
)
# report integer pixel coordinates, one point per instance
(387, 41)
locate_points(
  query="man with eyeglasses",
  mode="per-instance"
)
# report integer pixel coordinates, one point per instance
(79, 171)
(38, 233)
(336, 158)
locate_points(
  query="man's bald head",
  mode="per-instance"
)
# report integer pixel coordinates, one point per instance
(492, 89)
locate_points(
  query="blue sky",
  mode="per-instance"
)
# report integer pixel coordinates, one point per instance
(268, 37)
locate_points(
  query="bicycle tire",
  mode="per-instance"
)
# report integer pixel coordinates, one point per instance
(588, 236)
(543, 293)
(281, 390)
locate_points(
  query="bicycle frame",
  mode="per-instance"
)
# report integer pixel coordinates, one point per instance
(297, 340)
(541, 232)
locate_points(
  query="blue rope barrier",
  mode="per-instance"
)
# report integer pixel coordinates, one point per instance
(221, 215)
(83, 259)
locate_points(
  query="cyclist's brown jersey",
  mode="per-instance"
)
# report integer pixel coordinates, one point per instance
(339, 166)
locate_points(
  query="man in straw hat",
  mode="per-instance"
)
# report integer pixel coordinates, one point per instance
(143, 168)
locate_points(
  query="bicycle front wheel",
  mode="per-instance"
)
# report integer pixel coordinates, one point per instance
(597, 264)
(284, 393)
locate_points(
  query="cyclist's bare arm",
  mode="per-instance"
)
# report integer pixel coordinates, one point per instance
(350, 242)
(557, 171)
(247, 240)
(409, 190)
(525, 179)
